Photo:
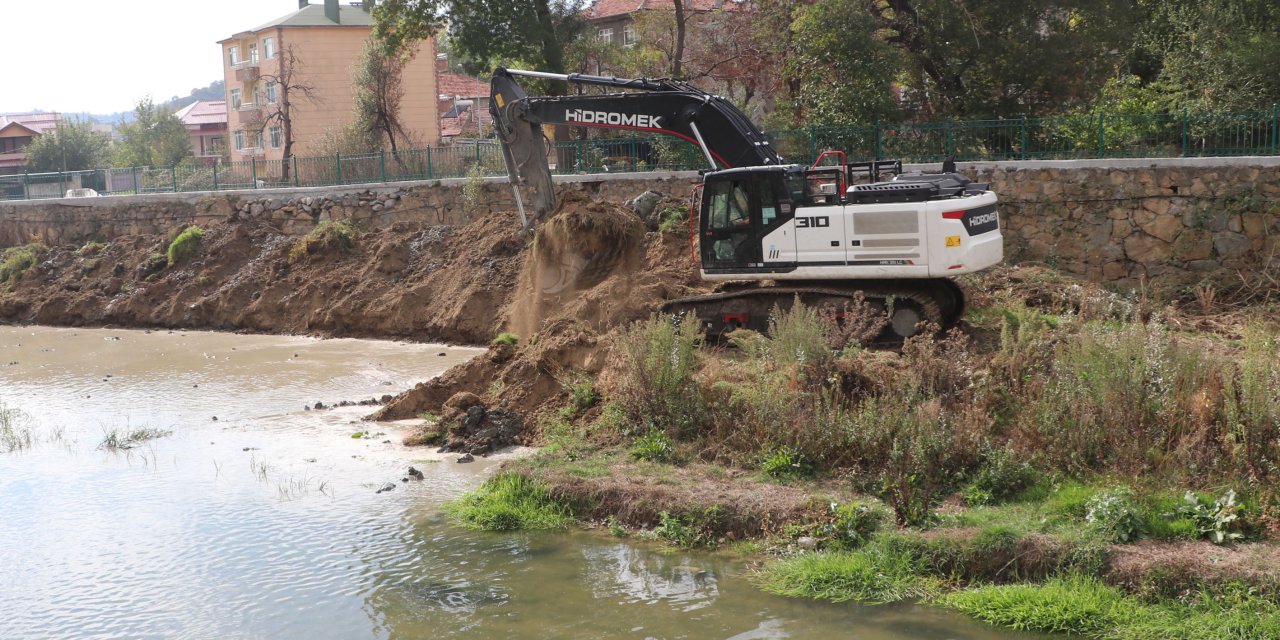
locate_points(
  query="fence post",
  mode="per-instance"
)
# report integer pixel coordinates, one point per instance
(428, 163)
(1102, 136)
(215, 175)
(951, 145)
(382, 157)
(26, 185)
(1275, 127)
(1184, 132)
(173, 175)
(813, 147)
(879, 142)
(253, 166)
(477, 151)
(339, 164)
(1023, 154)
(134, 171)
(62, 184)
(582, 168)
(295, 171)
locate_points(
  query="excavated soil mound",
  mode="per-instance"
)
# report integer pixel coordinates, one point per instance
(590, 271)
(414, 281)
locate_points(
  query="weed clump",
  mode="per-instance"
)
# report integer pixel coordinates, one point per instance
(327, 236)
(510, 502)
(657, 385)
(184, 245)
(121, 439)
(17, 261)
(506, 339)
(15, 430)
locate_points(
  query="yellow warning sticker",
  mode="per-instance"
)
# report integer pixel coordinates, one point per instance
(953, 241)
(498, 97)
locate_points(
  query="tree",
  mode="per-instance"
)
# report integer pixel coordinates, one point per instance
(73, 146)
(379, 89)
(533, 33)
(155, 138)
(289, 87)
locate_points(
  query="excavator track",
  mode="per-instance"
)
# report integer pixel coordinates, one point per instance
(909, 305)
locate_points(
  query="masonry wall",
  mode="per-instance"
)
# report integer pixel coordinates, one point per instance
(1169, 223)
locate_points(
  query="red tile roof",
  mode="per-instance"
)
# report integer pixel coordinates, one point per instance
(612, 8)
(39, 122)
(456, 85)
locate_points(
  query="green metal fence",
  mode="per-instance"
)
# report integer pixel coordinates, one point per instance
(1097, 135)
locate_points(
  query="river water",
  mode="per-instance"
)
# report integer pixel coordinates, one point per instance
(258, 518)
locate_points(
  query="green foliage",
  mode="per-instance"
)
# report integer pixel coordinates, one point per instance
(844, 68)
(1218, 522)
(327, 236)
(473, 200)
(1252, 404)
(674, 218)
(72, 146)
(876, 573)
(615, 528)
(92, 248)
(155, 138)
(119, 439)
(785, 463)
(654, 446)
(656, 383)
(510, 502)
(1114, 514)
(851, 525)
(377, 80)
(676, 531)
(507, 339)
(184, 246)
(1000, 478)
(1076, 605)
(17, 261)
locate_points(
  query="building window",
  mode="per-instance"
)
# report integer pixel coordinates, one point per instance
(606, 35)
(253, 53)
(254, 139)
(271, 91)
(235, 100)
(628, 35)
(234, 55)
(216, 145)
(275, 137)
(269, 47)
(239, 139)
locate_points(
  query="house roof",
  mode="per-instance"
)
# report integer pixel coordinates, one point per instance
(204, 112)
(15, 129)
(313, 15)
(602, 9)
(456, 85)
(37, 122)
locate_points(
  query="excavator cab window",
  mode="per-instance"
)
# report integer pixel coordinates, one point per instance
(740, 209)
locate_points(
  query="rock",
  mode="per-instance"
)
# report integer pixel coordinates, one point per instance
(415, 474)
(807, 542)
(1145, 249)
(462, 400)
(256, 209)
(466, 458)
(644, 204)
(1230, 244)
(1193, 244)
(386, 487)
(319, 405)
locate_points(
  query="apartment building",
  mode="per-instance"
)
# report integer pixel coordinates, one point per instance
(325, 41)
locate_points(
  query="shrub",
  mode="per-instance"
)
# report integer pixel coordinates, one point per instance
(851, 525)
(1218, 522)
(92, 248)
(1000, 478)
(473, 190)
(17, 261)
(654, 446)
(328, 235)
(184, 245)
(1115, 515)
(657, 384)
(510, 502)
(785, 463)
(504, 338)
(676, 531)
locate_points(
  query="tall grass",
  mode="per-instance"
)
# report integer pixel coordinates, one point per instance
(657, 385)
(15, 430)
(876, 574)
(184, 245)
(17, 261)
(510, 502)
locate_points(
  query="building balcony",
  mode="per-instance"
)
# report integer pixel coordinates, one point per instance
(247, 72)
(249, 112)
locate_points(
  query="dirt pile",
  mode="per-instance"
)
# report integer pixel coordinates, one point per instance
(591, 270)
(415, 281)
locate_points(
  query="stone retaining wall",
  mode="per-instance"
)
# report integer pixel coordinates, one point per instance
(1166, 222)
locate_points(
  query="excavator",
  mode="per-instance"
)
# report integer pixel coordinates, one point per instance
(769, 232)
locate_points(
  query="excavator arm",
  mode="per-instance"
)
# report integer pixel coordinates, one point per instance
(726, 136)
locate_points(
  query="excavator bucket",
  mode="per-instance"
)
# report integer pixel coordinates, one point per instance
(524, 148)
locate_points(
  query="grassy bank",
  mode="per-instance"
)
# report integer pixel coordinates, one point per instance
(1061, 454)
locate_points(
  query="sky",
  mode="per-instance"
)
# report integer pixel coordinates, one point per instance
(101, 56)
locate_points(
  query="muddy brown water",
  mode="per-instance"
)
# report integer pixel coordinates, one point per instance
(266, 522)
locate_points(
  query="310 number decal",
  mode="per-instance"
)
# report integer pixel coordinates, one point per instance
(813, 221)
